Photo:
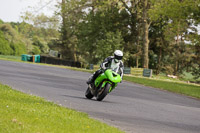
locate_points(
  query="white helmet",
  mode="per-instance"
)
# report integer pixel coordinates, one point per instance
(118, 55)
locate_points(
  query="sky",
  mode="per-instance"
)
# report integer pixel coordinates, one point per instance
(11, 10)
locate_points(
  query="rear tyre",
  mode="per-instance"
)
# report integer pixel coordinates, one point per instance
(102, 93)
(88, 94)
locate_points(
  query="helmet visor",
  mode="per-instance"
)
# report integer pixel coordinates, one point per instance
(118, 57)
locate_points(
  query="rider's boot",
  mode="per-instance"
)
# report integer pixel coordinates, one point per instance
(90, 80)
(93, 77)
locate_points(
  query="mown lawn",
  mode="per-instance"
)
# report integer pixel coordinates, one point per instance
(10, 57)
(172, 86)
(22, 113)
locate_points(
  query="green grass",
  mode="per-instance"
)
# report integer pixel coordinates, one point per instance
(10, 58)
(172, 86)
(22, 113)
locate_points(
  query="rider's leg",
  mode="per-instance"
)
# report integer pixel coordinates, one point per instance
(94, 76)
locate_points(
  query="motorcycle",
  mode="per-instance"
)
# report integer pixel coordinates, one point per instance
(103, 85)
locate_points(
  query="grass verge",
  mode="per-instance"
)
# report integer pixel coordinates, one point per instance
(30, 114)
(177, 87)
(10, 58)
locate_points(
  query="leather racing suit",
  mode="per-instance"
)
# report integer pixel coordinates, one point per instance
(108, 63)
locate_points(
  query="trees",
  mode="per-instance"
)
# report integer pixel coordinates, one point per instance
(177, 19)
(157, 34)
(71, 13)
(134, 20)
(21, 38)
(10, 41)
(91, 27)
(41, 29)
(99, 36)
(18, 48)
(4, 45)
(195, 63)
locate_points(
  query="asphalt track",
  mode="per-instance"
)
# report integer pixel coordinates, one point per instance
(131, 107)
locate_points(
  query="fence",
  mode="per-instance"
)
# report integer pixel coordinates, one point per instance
(137, 71)
(57, 61)
(129, 70)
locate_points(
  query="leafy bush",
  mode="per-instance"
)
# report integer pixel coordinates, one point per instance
(18, 48)
(4, 45)
(106, 47)
(36, 50)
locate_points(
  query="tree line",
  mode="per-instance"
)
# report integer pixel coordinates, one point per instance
(157, 34)
(25, 38)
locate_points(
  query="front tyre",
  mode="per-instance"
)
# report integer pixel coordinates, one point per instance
(88, 94)
(103, 92)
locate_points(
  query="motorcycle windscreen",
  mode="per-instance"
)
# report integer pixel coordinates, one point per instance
(113, 76)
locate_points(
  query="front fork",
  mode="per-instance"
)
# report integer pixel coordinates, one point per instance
(113, 85)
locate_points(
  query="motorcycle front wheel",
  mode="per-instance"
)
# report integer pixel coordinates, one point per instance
(103, 92)
(88, 94)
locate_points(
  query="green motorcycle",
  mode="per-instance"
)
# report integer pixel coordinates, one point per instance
(103, 85)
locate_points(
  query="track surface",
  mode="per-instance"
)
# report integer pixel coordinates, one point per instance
(131, 107)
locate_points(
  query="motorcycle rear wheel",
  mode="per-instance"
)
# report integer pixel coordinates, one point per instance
(102, 93)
